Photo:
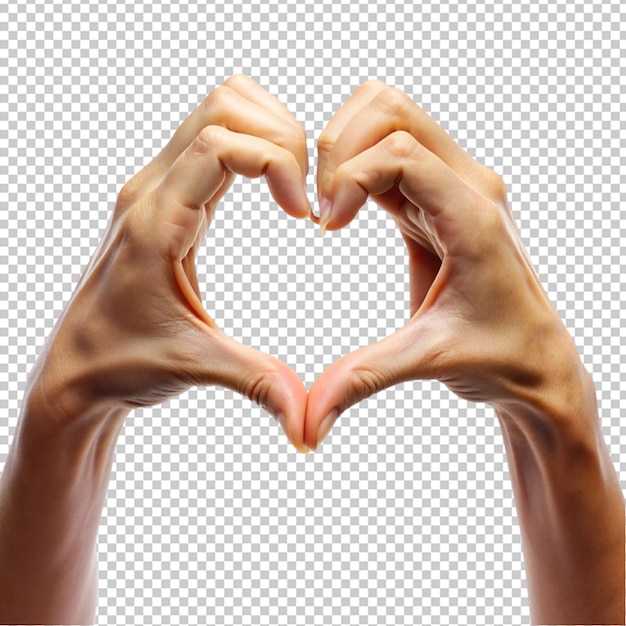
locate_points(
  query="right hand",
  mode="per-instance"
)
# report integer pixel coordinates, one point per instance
(135, 332)
(480, 320)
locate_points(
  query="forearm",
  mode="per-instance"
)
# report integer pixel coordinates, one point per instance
(569, 502)
(52, 491)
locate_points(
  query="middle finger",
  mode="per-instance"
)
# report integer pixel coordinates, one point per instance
(243, 111)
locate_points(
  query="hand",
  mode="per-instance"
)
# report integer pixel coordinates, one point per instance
(480, 320)
(135, 331)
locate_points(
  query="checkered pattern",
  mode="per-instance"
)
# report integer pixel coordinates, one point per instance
(406, 515)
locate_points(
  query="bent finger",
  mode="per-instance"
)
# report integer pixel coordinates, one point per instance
(392, 110)
(447, 203)
(357, 101)
(200, 171)
(238, 106)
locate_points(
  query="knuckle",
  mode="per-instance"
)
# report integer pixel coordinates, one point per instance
(126, 197)
(214, 103)
(258, 388)
(392, 102)
(132, 228)
(208, 139)
(325, 142)
(237, 81)
(301, 135)
(496, 185)
(402, 144)
(292, 138)
(364, 382)
(373, 85)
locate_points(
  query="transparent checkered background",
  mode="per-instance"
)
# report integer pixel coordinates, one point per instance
(406, 514)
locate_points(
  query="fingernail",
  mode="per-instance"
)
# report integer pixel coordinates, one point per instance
(313, 213)
(326, 208)
(282, 420)
(326, 425)
(302, 448)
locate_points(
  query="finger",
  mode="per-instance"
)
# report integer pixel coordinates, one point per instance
(359, 99)
(407, 354)
(251, 90)
(391, 110)
(446, 202)
(200, 171)
(218, 359)
(238, 106)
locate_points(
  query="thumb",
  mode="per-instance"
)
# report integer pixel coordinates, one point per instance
(407, 354)
(218, 359)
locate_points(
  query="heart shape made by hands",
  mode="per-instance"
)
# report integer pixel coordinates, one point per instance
(470, 279)
(451, 211)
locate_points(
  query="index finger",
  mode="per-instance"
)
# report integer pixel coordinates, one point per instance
(242, 105)
(368, 120)
(199, 172)
(355, 103)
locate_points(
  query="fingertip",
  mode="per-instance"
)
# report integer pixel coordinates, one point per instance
(292, 198)
(326, 425)
(281, 418)
(326, 210)
(307, 208)
(325, 403)
(297, 443)
(302, 448)
(290, 409)
(313, 217)
(348, 198)
(300, 207)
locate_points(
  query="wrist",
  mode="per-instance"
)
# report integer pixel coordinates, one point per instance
(52, 492)
(568, 497)
(59, 392)
(65, 435)
(559, 401)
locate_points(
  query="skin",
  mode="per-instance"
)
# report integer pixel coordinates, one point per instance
(482, 324)
(136, 333)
